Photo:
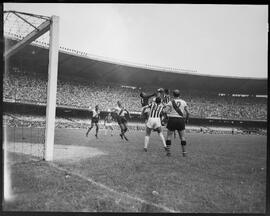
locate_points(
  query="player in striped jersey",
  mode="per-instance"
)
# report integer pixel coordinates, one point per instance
(154, 122)
(121, 119)
(175, 109)
(166, 96)
(95, 119)
(144, 102)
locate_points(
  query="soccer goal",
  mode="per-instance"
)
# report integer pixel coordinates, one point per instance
(31, 47)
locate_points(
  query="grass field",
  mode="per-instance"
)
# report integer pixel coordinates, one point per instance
(222, 174)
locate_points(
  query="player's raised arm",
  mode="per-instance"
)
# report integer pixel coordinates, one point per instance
(144, 108)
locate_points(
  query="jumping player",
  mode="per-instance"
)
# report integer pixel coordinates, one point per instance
(166, 97)
(121, 119)
(176, 121)
(95, 119)
(145, 98)
(144, 102)
(108, 123)
(154, 121)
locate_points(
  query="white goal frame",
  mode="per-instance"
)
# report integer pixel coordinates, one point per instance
(51, 25)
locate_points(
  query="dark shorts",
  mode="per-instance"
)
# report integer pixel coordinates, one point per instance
(175, 123)
(94, 120)
(121, 120)
(145, 116)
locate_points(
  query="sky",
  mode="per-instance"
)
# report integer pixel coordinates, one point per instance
(219, 40)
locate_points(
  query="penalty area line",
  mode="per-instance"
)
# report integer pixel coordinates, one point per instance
(121, 194)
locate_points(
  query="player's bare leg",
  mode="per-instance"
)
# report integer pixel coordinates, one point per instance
(146, 139)
(111, 127)
(159, 130)
(124, 131)
(89, 129)
(183, 142)
(96, 135)
(169, 142)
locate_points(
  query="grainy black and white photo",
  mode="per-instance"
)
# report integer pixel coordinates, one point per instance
(149, 108)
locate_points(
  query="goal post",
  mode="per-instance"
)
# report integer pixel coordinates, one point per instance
(30, 80)
(52, 88)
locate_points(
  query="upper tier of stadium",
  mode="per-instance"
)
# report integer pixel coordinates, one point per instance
(75, 63)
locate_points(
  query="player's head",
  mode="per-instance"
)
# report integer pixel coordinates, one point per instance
(158, 100)
(142, 94)
(160, 90)
(119, 103)
(166, 91)
(176, 93)
(96, 107)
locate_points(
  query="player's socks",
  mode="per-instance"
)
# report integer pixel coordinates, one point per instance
(121, 135)
(145, 149)
(183, 144)
(146, 141)
(125, 137)
(168, 144)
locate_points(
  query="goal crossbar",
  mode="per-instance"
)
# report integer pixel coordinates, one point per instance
(43, 28)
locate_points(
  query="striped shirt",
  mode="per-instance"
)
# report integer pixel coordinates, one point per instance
(155, 110)
(166, 99)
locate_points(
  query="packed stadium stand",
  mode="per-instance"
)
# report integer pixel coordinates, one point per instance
(23, 86)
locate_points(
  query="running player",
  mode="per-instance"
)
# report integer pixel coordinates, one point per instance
(176, 121)
(95, 119)
(154, 121)
(121, 119)
(108, 123)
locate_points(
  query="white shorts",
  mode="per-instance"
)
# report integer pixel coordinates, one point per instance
(153, 123)
(108, 124)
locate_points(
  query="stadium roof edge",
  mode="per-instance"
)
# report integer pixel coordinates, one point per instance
(145, 66)
(153, 67)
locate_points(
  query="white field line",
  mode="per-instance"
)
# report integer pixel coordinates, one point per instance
(121, 194)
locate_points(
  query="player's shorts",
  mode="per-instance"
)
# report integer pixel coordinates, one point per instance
(164, 120)
(108, 124)
(153, 123)
(176, 123)
(121, 120)
(94, 120)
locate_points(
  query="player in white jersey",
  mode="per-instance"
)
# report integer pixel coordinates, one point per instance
(108, 123)
(154, 121)
(95, 119)
(121, 119)
(176, 120)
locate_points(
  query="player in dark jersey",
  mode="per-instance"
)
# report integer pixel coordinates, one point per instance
(121, 119)
(95, 119)
(154, 121)
(176, 122)
(144, 102)
(145, 98)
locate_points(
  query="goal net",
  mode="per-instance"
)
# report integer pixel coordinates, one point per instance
(29, 84)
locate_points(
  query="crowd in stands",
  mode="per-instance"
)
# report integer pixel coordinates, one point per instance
(31, 87)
